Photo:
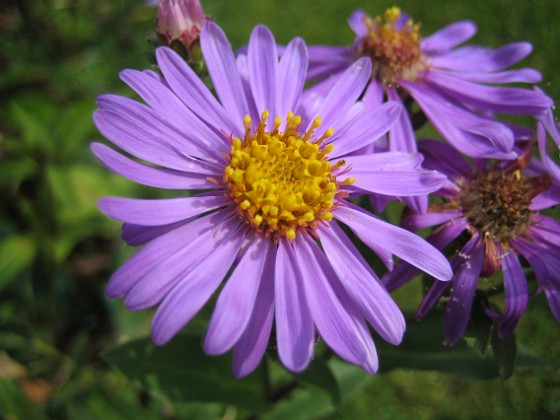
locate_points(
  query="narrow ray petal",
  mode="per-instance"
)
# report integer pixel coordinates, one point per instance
(449, 36)
(221, 64)
(187, 297)
(361, 283)
(400, 242)
(250, 347)
(294, 325)
(516, 293)
(237, 299)
(162, 211)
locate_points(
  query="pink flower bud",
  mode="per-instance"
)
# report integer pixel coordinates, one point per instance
(180, 20)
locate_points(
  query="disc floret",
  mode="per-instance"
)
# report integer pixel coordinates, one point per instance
(282, 182)
(394, 47)
(497, 203)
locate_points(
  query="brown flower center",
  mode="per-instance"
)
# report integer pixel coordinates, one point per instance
(496, 203)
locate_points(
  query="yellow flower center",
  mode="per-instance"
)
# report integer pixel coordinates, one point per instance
(393, 46)
(283, 182)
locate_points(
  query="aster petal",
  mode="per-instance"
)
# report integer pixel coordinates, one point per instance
(384, 161)
(157, 251)
(291, 76)
(546, 199)
(440, 238)
(294, 325)
(327, 61)
(160, 211)
(323, 54)
(546, 229)
(468, 265)
(136, 235)
(187, 297)
(401, 135)
(347, 89)
(378, 204)
(393, 177)
(480, 59)
(149, 122)
(400, 242)
(338, 324)
(415, 221)
(237, 299)
(191, 90)
(471, 134)
(263, 70)
(516, 293)
(525, 75)
(399, 183)
(373, 97)
(546, 266)
(491, 98)
(151, 288)
(330, 69)
(171, 109)
(402, 139)
(197, 179)
(243, 68)
(553, 296)
(312, 98)
(547, 122)
(444, 158)
(449, 36)
(138, 142)
(356, 21)
(362, 285)
(367, 127)
(250, 347)
(221, 65)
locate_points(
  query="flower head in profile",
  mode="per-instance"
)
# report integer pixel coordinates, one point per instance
(180, 21)
(454, 87)
(497, 207)
(268, 224)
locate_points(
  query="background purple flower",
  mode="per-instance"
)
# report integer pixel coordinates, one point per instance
(498, 207)
(454, 87)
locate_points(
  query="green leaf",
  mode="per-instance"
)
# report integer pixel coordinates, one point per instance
(319, 375)
(479, 328)
(504, 352)
(16, 253)
(348, 377)
(182, 372)
(14, 404)
(34, 119)
(302, 403)
(423, 348)
(13, 171)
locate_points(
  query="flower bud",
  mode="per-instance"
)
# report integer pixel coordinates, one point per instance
(180, 21)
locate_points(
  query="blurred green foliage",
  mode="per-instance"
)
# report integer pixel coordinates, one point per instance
(57, 251)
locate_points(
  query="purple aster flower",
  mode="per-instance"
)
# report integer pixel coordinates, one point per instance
(497, 206)
(274, 188)
(452, 86)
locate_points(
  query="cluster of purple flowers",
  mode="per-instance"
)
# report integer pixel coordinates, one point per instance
(274, 167)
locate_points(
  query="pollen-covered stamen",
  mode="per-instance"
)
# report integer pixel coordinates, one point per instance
(394, 47)
(496, 203)
(283, 182)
